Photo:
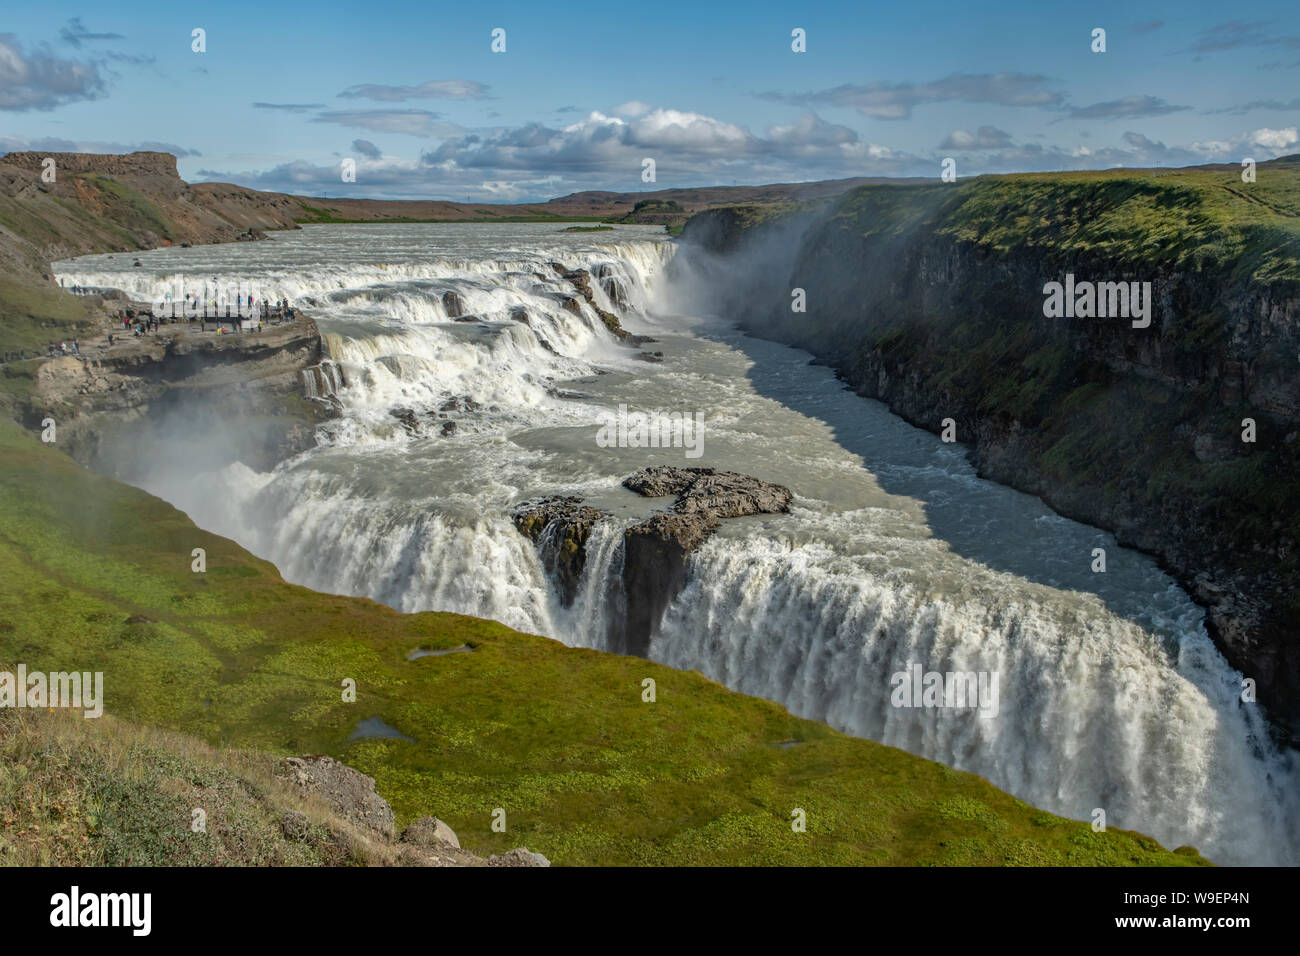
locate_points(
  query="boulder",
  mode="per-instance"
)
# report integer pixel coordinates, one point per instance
(429, 831)
(406, 417)
(349, 793)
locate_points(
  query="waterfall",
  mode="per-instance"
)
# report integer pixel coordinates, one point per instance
(895, 554)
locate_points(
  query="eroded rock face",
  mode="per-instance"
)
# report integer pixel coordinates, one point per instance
(1223, 345)
(452, 304)
(560, 527)
(142, 393)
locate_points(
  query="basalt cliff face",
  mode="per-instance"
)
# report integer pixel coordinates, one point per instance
(1182, 437)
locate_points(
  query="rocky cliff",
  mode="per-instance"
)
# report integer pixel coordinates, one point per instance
(114, 793)
(105, 401)
(243, 392)
(1180, 432)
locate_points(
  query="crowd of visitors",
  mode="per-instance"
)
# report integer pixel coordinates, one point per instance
(143, 324)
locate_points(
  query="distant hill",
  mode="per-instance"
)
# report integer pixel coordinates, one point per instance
(592, 204)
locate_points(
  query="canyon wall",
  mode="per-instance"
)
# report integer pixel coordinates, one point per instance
(931, 299)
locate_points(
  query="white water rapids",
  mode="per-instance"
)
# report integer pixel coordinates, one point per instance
(1111, 694)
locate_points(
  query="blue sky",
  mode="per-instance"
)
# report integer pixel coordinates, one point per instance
(414, 95)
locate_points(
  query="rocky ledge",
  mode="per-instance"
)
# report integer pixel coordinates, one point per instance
(351, 795)
(112, 401)
(654, 550)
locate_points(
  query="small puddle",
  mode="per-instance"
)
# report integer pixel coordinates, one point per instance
(373, 727)
(787, 744)
(422, 652)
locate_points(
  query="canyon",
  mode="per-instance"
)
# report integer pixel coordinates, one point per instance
(1128, 428)
(427, 439)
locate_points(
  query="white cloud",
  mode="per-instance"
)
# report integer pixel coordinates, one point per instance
(986, 137)
(1216, 146)
(41, 81)
(406, 122)
(1274, 138)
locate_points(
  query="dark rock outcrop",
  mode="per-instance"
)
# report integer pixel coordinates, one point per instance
(654, 550)
(406, 417)
(654, 562)
(560, 527)
(452, 304)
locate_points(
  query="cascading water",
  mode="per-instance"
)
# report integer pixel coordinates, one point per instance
(895, 553)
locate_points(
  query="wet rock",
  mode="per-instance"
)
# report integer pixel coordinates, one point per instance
(459, 403)
(569, 303)
(613, 288)
(560, 527)
(654, 562)
(452, 304)
(406, 417)
(349, 793)
(654, 550)
(581, 280)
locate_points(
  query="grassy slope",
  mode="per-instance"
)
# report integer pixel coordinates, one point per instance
(1198, 217)
(77, 792)
(97, 577)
